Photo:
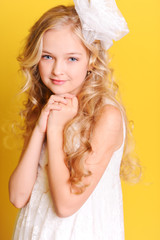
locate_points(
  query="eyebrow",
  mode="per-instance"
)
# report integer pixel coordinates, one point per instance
(70, 53)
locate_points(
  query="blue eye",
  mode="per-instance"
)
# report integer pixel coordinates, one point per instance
(46, 57)
(72, 59)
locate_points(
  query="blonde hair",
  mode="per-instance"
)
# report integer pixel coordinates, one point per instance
(98, 86)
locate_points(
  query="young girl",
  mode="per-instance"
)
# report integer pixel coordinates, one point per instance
(67, 181)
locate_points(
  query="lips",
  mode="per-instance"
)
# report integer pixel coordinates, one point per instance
(58, 82)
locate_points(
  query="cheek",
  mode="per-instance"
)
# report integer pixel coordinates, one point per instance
(79, 76)
(83, 72)
(40, 67)
(80, 71)
(43, 69)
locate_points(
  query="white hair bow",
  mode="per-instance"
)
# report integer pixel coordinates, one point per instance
(101, 20)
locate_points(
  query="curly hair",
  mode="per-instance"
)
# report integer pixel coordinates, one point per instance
(98, 86)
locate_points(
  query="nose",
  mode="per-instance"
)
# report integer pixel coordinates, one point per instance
(58, 68)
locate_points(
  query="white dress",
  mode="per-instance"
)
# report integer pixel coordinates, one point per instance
(100, 217)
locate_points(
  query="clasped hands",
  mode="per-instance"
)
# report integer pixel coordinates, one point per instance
(59, 110)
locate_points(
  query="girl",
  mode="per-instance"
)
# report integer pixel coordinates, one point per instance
(67, 181)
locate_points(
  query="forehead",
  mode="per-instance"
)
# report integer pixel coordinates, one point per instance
(64, 40)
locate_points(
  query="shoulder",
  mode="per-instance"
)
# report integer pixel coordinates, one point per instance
(109, 127)
(111, 116)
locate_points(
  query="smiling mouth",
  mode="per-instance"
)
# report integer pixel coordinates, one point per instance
(58, 82)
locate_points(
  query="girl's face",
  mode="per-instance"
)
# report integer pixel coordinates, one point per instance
(64, 62)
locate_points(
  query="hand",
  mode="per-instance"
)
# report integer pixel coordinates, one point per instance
(43, 119)
(58, 119)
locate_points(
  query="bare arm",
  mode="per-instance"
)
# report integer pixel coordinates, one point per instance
(108, 127)
(24, 176)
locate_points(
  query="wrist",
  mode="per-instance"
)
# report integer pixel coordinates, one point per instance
(55, 138)
(38, 130)
(55, 130)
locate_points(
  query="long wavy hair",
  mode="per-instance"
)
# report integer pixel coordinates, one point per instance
(99, 85)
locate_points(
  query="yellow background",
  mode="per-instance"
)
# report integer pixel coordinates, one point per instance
(136, 61)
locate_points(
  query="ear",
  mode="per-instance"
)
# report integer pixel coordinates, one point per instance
(88, 72)
(90, 65)
(89, 68)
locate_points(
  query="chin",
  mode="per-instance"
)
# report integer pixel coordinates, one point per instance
(61, 92)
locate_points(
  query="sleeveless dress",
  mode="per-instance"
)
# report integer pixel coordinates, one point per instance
(99, 218)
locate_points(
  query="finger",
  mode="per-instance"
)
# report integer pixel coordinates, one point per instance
(75, 102)
(68, 95)
(50, 106)
(55, 107)
(69, 101)
(57, 98)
